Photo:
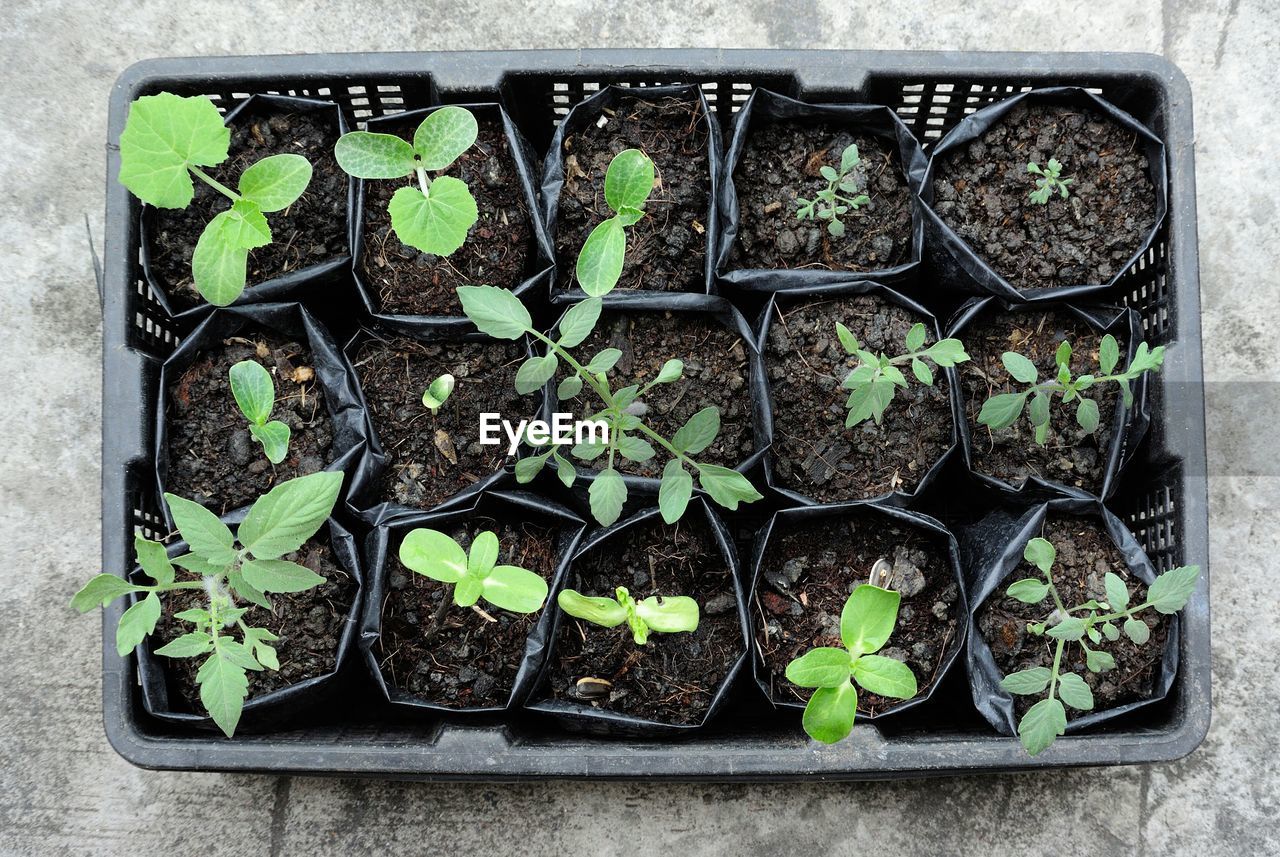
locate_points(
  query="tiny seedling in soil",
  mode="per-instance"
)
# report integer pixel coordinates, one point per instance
(627, 185)
(866, 623)
(1050, 181)
(1093, 621)
(167, 139)
(255, 393)
(232, 570)
(500, 314)
(435, 216)
(829, 204)
(873, 382)
(1003, 410)
(664, 614)
(437, 392)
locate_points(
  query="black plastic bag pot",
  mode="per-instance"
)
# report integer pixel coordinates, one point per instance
(583, 717)
(538, 264)
(1128, 423)
(993, 553)
(499, 505)
(334, 375)
(582, 117)
(765, 107)
(305, 283)
(763, 576)
(275, 709)
(960, 264)
(803, 294)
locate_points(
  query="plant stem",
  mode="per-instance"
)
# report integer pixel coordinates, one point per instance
(423, 181)
(1057, 664)
(667, 446)
(594, 383)
(214, 183)
(169, 587)
(437, 619)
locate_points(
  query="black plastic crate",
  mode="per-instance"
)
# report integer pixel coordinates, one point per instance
(1163, 499)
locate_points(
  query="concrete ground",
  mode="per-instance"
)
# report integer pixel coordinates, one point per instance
(63, 790)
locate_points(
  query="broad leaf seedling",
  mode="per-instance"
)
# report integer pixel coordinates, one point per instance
(627, 184)
(670, 614)
(874, 381)
(831, 202)
(1050, 181)
(255, 394)
(437, 393)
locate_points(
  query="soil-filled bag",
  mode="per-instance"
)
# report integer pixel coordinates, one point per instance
(970, 267)
(794, 607)
(1072, 461)
(813, 457)
(673, 247)
(329, 643)
(993, 550)
(598, 680)
(457, 669)
(507, 247)
(316, 395)
(310, 249)
(883, 239)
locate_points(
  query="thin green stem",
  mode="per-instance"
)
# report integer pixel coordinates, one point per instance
(214, 183)
(1057, 664)
(169, 587)
(662, 441)
(423, 181)
(601, 389)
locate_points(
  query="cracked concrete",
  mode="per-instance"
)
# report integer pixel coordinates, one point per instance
(62, 789)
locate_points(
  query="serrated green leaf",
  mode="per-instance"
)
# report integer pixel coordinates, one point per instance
(1099, 662)
(279, 575)
(1074, 692)
(1027, 682)
(367, 155)
(698, 432)
(437, 224)
(600, 260)
(947, 352)
(497, 312)
(726, 487)
(207, 537)
(223, 688)
(1110, 631)
(830, 712)
(1041, 725)
(100, 591)
(674, 491)
(163, 136)
(136, 623)
(607, 494)
(245, 590)
(187, 646)
(154, 559)
(275, 182)
(1171, 590)
(280, 521)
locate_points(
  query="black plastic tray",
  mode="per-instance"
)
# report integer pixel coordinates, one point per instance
(1163, 499)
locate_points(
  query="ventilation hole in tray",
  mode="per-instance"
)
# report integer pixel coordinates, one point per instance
(932, 109)
(1152, 523)
(564, 95)
(1145, 287)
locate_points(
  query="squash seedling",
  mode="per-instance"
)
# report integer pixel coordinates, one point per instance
(670, 614)
(255, 394)
(1050, 181)
(1093, 621)
(874, 381)
(627, 184)
(233, 570)
(437, 393)
(830, 203)
(167, 139)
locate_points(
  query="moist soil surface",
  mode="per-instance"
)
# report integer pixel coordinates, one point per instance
(309, 625)
(983, 192)
(666, 249)
(809, 573)
(674, 677)
(1070, 456)
(1085, 554)
(471, 658)
(212, 459)
(814, 454)
(406, 281)
(715, 374)
(310, 232)
(432, 457)
(782, 161)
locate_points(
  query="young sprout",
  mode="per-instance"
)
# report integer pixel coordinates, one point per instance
(167, 139)
(437, 393)
(627, 185)
(874, 381)
(500, 314)
(435, 216)
(1003, 410)
(829, 204)
(866, 622)
(1092, 620)
(255, 393)
(1049, 181)
(670, 614)
(230, 569)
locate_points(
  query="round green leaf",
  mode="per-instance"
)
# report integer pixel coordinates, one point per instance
(444, 135)
(433, 554)
(670, 372)
(515, 589)
(253, 390)
(438, 392)
(629, 180)
(164, 135)
(276, 181)
(1136, 630)
(374, 156)
(885, 677)
(824, 666)
(868, 618)
(468, 591)
(1040, 553)
(435, 224)
(569, 387)
(600, 260)
(830, 713)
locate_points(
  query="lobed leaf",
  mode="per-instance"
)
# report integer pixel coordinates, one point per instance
(136, 623)
(154, 559)
(437, 224)
(164, 135)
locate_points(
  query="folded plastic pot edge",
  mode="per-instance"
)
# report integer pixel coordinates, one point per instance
(294, 285)
(962, 265)
(871, 119)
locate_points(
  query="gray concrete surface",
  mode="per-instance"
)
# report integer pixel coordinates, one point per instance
(62, 789)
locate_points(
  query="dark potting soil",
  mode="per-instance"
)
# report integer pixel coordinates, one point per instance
(212, 459)
(1070, 455)
(782, 161)
(1085, 554)
(814, 454)
(406, 281)
(310, 232)
(666, 250)
(983, 193)
(471, 660)
(674, 677)
(808, 573)
(431, 458)
(715, 374)
(309, 625)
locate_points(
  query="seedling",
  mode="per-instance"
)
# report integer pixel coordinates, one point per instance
(167, 139)
(437, 393)
(1003, 410)
(500, 314)
(670, 614)
(866, 623)
(874, 381)
(1093, 621)
(1050, 181)
(627, 185)
(435, 216)
(830, 203)
(255, 393)
(235, 572)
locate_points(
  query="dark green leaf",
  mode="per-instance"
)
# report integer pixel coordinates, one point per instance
(203, 532)
(223, 687)
(1087, 415)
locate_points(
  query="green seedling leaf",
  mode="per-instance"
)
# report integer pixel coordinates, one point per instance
(535, 372)
(670, 372)
(698, 432)
(565, 471)
(600, 260)
(916, 337)
(1099, 662)
(1108, 354)
(1069, 629)
(635, 448)
(483, 555)
(218, 266)
(1027, 682)
(1117, 592)
(726, 487)
(497, 312)
(278, 575)
(1041, 725)
(1087, 415)
(604, 361)
(1171, 590)
(223, 688)
(830, 712)
(443, 136)
(437, 392)
(154, 559)
(254, 391)
(821, 667)
(1002, 411)
(1019, 367)
(921, 371)
(868, 618)
(1028, 590)
(433, 554)
(164, 136)
(569, 387)
(605, 612)
(674, 491)
(947, 352)
(848, 341)
(607, 495)
(187, 646)
(136, 623)
(579, 321)
(669, 614)
(628, 180)
(281, 520)
(516, 589)
(100, 591)
(528, 468)
(1136, 630)
(437, 224)
(1040, 553)
(274, 437)
(275, 182)
(207, 537)
(1073, 691)
(366, 155)
(885, 677)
